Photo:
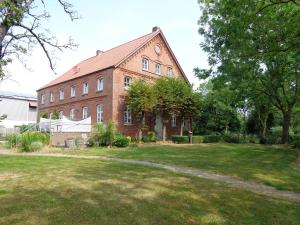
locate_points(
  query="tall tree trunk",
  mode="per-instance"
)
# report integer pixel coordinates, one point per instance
(181, 126)
(286, 126)
(164, 133)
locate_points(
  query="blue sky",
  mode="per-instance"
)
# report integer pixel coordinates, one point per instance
(106, 24)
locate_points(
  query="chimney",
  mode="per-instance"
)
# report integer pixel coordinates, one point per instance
(156, 28)
(99, 52)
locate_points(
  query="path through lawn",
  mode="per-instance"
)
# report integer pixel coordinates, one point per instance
(250, 186)
(57, 190)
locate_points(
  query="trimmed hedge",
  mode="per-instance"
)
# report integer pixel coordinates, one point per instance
(211, 138)
(198, 139)
(180, 139)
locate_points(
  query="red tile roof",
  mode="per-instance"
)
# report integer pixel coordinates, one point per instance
(104, 60)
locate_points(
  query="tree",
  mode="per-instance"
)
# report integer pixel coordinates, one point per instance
(21, 29)
(261, 49)
(141, 100)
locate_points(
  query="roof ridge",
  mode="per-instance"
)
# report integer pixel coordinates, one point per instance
(130, 41)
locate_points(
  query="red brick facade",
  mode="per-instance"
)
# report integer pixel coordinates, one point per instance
(112, 96)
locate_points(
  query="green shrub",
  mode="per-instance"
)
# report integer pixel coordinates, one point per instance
(212, 138)
(252, 139)
(121, 141)
(295, 142)
(233, 138)
(12, 140)
(180, 139)
(36, 146)
(198, 139)
(23, 128)
(150, 137)
(27, 138)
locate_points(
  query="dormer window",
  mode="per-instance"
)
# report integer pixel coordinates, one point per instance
(157, 68)
(85, 88)
(51, 97)
(170, 72)
(145, 64)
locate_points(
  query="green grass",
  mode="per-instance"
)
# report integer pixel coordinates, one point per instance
(46, 190)
(269, 165)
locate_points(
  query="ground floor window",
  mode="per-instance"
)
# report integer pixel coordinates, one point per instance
(173, 120)
(100, 113)
(72, 114)
(85, 112)
(127, 116)
(61, 114)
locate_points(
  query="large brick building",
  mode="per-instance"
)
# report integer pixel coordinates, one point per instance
(96, 86)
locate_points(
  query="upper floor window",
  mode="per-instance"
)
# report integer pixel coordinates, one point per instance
(51, 97)
(73, 91)
(170, 72)
(100, 84)
(157, 68)
(173, 120)
(127, 116)
(85, 88)
(61, 114)
(85, 112)
(127, 82)
(145, 64)
(72, 114)
(100, 113)
(61, 94)
(43, 99)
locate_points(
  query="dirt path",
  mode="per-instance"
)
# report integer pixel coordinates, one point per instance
(246, 185)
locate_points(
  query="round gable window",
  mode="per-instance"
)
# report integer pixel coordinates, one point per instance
(157, 49)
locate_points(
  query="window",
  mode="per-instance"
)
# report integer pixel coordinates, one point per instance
(85, 112)
(100, 84)
(85, 88)
(61, 114)
(100, 113)
(127, 82)
(145, 64)
(170, 72)
(51, 97)
(43, 99)
(73, 91)
(157, 68)
(50, 115)
(72, 114)
(127, 116)
(61, 94)
(173, 120)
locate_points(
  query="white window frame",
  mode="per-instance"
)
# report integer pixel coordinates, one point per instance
(127, 116)
(51, 97)
(145, 64)
(127, 82)
(43, 99)
(173, 120)
(85, 112)
(158, 68)
(100, 84)
(73, 92)
(85, 88)
(72, 114)
(100, 113)
(61, 115)
(170, 71)
(61, 94)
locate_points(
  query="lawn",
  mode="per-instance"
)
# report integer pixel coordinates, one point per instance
(273, 166)
(46, 190)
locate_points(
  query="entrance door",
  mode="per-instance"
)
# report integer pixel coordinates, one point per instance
(158, 127)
